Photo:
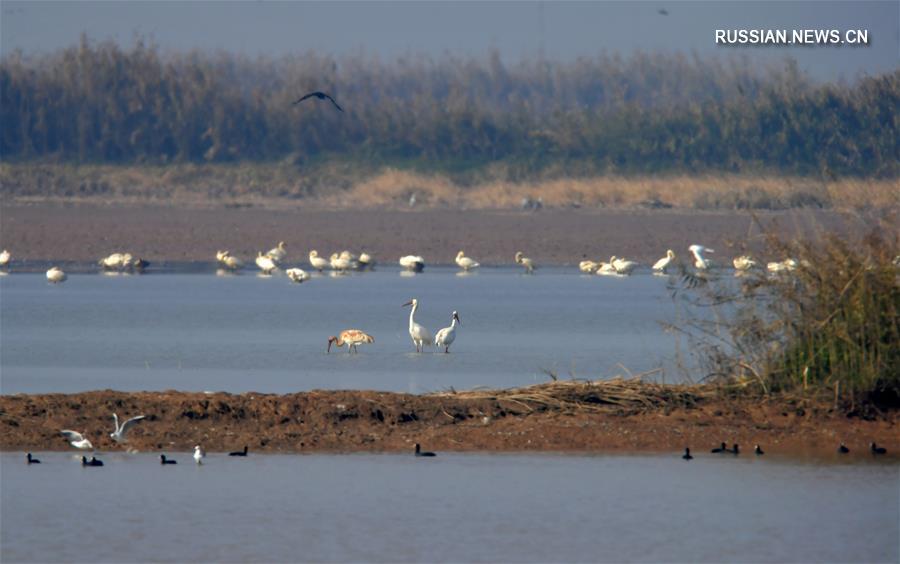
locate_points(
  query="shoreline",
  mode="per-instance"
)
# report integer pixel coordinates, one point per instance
(84, 233)
(559, 417)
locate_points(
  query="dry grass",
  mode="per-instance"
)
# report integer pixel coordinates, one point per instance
(618, 394)
(346, 186)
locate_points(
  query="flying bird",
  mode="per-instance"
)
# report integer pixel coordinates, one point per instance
(76, 439)
(662, 12)
(119, 434)
(320, 96)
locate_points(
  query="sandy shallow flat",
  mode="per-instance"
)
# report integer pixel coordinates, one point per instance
(85, 232)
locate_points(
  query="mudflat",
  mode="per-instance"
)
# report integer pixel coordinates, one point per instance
(86, 232)
(617, 415)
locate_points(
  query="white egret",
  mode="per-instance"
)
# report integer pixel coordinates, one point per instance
(350, 337)
(447, 335)
(419, 335)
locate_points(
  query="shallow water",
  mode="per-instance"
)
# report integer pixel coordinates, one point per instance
(251, 333)
(456, 507)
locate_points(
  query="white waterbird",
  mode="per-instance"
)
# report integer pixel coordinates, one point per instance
(447, 335)
(278, 253)
(5, 258)
(420, 336)
(588, 266)
(231, 262)
(119, 434)
(366, 260)
(624, 266)
(265, 263)
(317, 262)
(199, 454)
(526, 262)
(297, 275)
(607, 268)
(55, 275)
(663, 264)
(77, 440)
(465, 262)
(115, 260)
(413, 263)
(700, 262)
(743, 263)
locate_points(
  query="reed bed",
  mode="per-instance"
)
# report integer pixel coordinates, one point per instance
(618, 394)
(344, 185)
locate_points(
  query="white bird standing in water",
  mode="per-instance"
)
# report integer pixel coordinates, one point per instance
(55, 275)
(77, 440)
(447, 335)
(525, 262)
(277, 253)
(700, 262)
(265, 263)
(119, 434)
(231, 262)
(199, 455)
(318, 262)
(664, 263)
(419, 335)
(465, 262)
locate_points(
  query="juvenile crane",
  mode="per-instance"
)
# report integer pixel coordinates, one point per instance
(352, 338)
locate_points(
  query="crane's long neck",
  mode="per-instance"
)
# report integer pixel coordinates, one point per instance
(412, 314)
(453, 324)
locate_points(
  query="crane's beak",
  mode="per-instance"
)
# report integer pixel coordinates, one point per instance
(407, 304)
(329, 345)
(456, 317)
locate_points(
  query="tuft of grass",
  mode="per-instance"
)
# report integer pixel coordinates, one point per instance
(831, 326)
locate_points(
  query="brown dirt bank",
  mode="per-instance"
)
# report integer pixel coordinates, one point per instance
(86, 232)
(612, 415)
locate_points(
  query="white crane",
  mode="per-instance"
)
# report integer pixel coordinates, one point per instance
(465, 262)
(526, 262)
(663, 264)
(119, 434)
(413, 263)
(419, 335)
(317, 262)
(56, 275)
(700, 262)
(447, 335)
(265, 263)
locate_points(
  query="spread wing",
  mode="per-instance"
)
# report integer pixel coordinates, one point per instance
(72, 436)
(333, 102)
(128, 424)
(307, 96)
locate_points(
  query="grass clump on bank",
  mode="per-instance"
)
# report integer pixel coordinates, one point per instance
(828, 325)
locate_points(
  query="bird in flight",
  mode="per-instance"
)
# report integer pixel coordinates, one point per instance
(320, 96)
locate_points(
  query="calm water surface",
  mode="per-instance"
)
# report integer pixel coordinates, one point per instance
(456, 507)
(265, 334)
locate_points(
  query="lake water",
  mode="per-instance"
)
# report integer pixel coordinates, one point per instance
(455, 507)
(199, 331)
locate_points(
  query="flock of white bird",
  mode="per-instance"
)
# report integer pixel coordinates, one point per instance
(346, 261)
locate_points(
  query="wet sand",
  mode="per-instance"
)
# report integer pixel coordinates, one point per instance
(86, 232)
(538, 419)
